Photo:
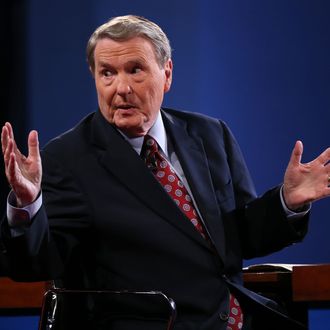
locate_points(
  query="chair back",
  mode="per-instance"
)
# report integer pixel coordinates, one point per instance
(105, 309)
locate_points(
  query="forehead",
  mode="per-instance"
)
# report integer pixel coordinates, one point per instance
(135, 48)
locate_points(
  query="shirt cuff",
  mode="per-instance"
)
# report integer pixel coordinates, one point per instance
(292, 214)
(20, 217)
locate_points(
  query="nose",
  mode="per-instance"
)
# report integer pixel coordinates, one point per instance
(123, 86)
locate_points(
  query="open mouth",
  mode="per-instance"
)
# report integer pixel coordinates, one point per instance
(125, 107)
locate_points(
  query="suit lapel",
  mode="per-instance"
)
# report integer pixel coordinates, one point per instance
(195, 167)
(118, 157)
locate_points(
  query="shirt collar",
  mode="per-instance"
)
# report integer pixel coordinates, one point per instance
(157, 131)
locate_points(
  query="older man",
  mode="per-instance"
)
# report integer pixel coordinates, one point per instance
(137, 196)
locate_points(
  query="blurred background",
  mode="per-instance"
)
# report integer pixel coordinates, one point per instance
(261, 66)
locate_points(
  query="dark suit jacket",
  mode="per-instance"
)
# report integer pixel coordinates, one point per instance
(107, 223)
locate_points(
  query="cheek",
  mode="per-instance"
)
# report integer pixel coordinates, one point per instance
(102, 92)
(156, 96)
(104, 96)
(104, 101)
(153, 90)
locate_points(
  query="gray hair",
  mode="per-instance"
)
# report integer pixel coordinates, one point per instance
(123, 28)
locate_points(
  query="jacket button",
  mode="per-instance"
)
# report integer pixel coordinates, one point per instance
(224, 316)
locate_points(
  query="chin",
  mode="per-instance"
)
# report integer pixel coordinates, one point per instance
(136, 125)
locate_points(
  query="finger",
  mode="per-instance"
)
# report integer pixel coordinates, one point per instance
(33, 144)
(13, 174)
(324, 157)
(4, 139)
(6, 134)
(11, 167)
(11, 149)
(12, 171)
(10, 130)
(8, 150)
(297, 153)
(9, 135)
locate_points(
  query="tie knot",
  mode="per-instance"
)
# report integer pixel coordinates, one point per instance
(149, 151)
(149, 146)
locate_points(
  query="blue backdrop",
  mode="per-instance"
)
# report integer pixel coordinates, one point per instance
(262, 66)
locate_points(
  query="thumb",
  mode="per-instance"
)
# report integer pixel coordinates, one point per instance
(33, 144)
(297, 153)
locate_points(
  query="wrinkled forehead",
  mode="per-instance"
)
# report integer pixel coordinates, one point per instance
(133, 48)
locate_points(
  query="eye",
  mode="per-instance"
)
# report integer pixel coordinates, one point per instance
(106, 73)
(136, 69)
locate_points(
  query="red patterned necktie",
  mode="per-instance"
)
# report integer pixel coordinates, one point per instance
(167, 177)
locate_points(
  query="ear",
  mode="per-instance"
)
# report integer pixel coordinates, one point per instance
(168, 67)
(92, 71)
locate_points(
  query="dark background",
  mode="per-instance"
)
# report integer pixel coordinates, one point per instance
(13, 75)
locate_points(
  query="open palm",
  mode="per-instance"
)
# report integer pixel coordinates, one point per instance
(23, 173)
(305, 183)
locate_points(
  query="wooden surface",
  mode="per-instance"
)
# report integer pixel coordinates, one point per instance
(311, 283)
(21, 294)
(266, 278)
(271, 284)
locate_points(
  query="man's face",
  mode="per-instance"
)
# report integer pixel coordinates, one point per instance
(130, 83)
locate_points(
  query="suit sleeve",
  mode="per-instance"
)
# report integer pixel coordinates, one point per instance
(47, 246)
(264, 226)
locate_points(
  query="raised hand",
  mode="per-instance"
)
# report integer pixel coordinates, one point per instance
(23, 173)
(305, 183)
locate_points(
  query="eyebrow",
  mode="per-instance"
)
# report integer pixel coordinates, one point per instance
(131, 62)
(104, 64)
